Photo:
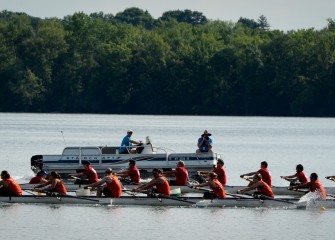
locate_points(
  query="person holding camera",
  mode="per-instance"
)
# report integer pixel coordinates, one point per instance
(205, 143)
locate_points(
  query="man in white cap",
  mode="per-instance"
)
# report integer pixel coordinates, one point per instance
(127, 143)
(205, 143)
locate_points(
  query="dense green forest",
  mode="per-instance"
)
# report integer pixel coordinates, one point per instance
(180, 63)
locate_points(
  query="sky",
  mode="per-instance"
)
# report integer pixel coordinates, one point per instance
(281, 14)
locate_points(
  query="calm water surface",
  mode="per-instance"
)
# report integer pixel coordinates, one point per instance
(244, 141)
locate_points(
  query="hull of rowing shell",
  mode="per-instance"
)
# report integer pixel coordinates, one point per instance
(186, 189)
(173, 202)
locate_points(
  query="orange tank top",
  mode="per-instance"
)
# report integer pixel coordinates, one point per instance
(219, 190)
(115, 187)
(318, 186)
(14, 187)
(60, 187)
(164, 188)
(266, 190)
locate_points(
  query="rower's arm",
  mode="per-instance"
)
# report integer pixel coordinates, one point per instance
(201, 185)
(304, 185)
(122, 174)
(256, 185)
(248, 174)
(289, 177)
(43, 184)
(169, 173)
(100, 182)
(76, 174)
(147, 185)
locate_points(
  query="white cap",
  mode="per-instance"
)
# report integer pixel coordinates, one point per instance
(129, 131)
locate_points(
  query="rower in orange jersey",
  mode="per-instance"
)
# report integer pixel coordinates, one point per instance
(160, 183)
(264, 171)
(314, 185)
(89, 173)
(132, 172)
(219, 170)
(56, 185)
(181, 174)
(261, 186)
(39, 178)
(298, 178)
(113, 186)
(215, 185)
(8, 186)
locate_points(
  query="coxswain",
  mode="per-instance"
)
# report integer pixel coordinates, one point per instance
(89, 173)
(160, 183)
(219, 170)
(314, 185)
(180, 173)
(57, 186)
(298, 178)
(261, 186)
(113, 188)
(39, 178)
(264, 171)
(133, 173)
(215, 185)
(8, 186)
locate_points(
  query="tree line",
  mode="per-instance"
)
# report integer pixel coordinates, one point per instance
(181, 63)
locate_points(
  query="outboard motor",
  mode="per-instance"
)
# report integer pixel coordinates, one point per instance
(36, 163)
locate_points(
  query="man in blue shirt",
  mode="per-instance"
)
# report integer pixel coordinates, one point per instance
(205, 143)
(127, 143)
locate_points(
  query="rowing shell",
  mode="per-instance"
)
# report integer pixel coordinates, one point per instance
(172, 202)
(185, 189)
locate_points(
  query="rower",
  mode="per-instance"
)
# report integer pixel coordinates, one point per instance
(113, 186)
(180, 173)
(314, 185)
(89, 173)
(39, 178)
(264, 171)
(133, 173)
(215, 185)
(160, 183)
(261, 186)
(57, 186)
(8, 186)
(298, 178)
(219, 170)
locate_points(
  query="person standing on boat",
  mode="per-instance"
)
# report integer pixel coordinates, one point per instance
(8, 186)
(160, 183)
(261, 186)
(56, 185)
(205, 143)
(127, 143)
(39, 178)
(219, 170)
(314, 185)
(180, 173)
(113, 186)
(264, 171)
(133, 173)
(89, 172)
(298, 178)
(215, 185)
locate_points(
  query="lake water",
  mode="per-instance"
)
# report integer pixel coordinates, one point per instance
(244, 142)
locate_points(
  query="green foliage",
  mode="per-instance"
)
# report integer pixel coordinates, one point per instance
(181, 63)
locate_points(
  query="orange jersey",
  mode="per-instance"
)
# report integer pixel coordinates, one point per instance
(115, 187)
(164, 188)
(60, 187)
(265, 189)
(219, 189)
(14, 187)
(318, 186)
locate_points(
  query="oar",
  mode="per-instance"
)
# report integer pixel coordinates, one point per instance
(229, 194)
(27, 191)
(176, 199)
(262, 196)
